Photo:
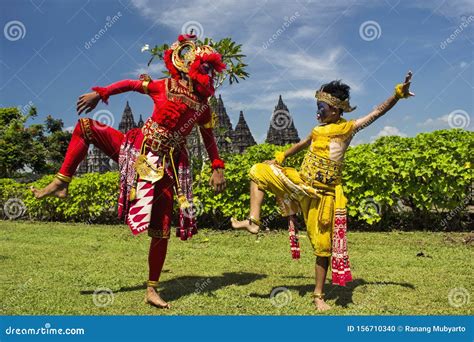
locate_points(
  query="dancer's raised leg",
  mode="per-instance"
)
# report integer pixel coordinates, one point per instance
(252, 224)
(87, 131)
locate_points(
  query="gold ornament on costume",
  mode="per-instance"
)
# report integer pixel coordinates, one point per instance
(279, 157)
(399, 94)
(148, 172)
(146, 79)
(316, 169)
(334, 101)
(185, 52)
(183, 55)
(63, 178)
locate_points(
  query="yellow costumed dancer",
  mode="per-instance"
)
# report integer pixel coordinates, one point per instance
(316, 189)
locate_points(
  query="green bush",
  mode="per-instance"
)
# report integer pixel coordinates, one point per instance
(92, 198)
(395, 182)
(422, 178)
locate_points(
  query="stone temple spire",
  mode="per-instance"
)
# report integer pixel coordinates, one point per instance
(282, 130)
(242, 136)
(140, 122)
(127, 122)
(281, 105)
(222, 131)
(223, 128)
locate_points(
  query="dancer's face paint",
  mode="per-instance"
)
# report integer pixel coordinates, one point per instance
(326, 114)
(323, 111)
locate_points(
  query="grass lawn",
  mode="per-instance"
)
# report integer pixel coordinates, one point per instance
(55, 268)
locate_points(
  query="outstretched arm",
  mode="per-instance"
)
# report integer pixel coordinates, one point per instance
(402, 92)
(295, 148)
(87, 102)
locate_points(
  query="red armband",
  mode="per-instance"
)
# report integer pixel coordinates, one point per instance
(104, 95)
(218, 164)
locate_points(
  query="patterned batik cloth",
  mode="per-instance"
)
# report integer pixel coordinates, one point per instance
(323, 209)
(138, 212)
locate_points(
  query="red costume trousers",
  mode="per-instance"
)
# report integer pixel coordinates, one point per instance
(108, 140)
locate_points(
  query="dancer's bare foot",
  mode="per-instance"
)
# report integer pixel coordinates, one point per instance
(245, 224)
(321, 305)
(56, 188)
(153, 298)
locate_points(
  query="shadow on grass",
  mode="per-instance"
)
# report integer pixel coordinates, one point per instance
(342, 294)
(176, 288)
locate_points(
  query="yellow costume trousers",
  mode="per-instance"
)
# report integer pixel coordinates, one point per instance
(316, 202)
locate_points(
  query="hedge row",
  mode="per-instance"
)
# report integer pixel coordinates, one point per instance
(424, 182)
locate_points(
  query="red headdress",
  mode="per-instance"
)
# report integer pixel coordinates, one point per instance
(199, 62)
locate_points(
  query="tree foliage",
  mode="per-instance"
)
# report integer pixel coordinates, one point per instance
(39, 148)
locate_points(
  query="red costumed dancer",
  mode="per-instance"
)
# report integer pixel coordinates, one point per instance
(153, 160)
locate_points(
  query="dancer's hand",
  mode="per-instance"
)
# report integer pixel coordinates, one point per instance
(87, 102)
(217, 180)
(406, 85)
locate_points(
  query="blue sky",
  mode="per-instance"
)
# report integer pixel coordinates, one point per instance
(292, 47)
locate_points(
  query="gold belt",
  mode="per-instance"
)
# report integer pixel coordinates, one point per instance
(160, 139)
(319, 169)
(162, 142)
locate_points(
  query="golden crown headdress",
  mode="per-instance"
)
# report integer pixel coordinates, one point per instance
(334, 101)
(185, 50)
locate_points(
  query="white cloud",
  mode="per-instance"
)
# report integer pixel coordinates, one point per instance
(389, 131)
(435, 123)
(454, 9)
(155, 70)
(318, 68)
(457, 118)
(267, 101)
(309, 52)
(254, 22)
(357, 141)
